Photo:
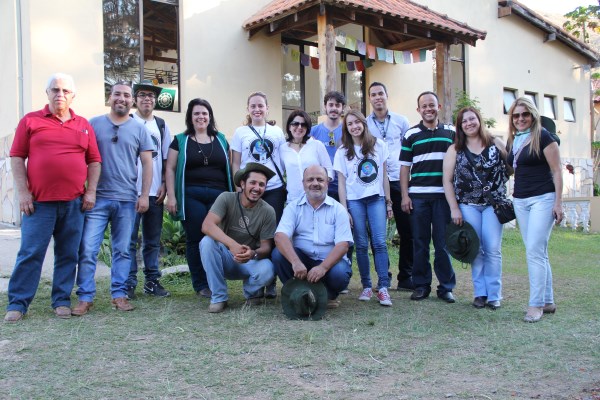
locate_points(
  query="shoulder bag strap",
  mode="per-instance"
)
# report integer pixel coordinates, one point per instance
(481, 178)
(268, 153)
(244, 218)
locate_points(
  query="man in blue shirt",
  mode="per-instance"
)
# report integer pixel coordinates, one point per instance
(330, 131)
(313, 237)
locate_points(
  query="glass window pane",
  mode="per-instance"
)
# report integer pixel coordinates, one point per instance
(569, 110)
(509, 97)
(121, 42)
(532, 97)
(549, 107)
(291, 91)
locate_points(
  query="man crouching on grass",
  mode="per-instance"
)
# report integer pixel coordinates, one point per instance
(239, 231)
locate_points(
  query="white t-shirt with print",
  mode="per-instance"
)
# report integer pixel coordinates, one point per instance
(251, 147)
(157, 155)
(364, 175)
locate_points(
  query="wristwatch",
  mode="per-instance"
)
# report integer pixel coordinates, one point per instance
(255, 256)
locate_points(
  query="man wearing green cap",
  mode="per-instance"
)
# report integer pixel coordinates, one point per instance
(239, 231)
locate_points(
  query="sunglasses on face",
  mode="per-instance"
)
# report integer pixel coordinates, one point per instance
(524, 114)
(296, 124)
(115, 138)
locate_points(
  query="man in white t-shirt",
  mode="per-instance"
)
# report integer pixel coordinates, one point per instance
(145, 95)
(391, 127)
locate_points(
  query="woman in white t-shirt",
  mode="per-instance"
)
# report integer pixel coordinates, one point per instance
(364, 190)
(259, 141)
(301, 151)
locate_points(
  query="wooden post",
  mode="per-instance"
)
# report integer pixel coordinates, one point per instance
(327, 67)
(442, 73)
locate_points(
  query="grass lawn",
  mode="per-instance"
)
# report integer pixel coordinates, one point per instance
(173, 349)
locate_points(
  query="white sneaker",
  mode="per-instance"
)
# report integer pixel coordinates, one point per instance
(366, 294)
(384, 297)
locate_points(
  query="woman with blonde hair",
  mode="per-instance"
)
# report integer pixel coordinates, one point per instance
(364, 190)
(474, 180)
(535, 158)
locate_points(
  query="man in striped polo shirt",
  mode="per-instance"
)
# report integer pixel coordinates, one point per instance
(421, 158)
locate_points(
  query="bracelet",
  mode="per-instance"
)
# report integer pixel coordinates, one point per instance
(388, 202)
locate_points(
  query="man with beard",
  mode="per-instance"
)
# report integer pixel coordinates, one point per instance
(239, 231)
(121, 139)
(313, 238)
(145, 99)
(391, 127)
(421, 158)
(330, 131)
(53, 154)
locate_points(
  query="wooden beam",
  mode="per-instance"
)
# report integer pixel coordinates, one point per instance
(442, 66)
(504, 11)
(412, 44)
(327, 65)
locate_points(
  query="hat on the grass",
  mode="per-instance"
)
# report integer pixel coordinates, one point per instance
(146, 85)
(301, 299)
(462, 242)
(252, 167)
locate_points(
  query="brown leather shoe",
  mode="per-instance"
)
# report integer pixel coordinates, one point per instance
(63, 312)
(122, 304)
(82, 308)
(255, 301)
(335, 303)
(549, 308)
(534, 314)
(217, 307)
(12, 317)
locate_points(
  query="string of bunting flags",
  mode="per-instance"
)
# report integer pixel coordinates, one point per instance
(371, 53)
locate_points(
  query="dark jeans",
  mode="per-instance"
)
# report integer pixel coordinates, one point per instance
(429, 218)
(335, 280)
(276, 198)
(198, 201)
(151, 222)
(405, 262)
(62, 220)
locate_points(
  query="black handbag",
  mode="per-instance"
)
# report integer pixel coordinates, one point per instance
(504, 209)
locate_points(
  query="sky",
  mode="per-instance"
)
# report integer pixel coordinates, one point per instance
(557, 6)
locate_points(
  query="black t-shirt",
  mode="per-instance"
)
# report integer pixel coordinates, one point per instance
(212, 175)
(533, 176)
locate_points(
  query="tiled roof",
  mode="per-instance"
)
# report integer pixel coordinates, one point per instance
(403, 9)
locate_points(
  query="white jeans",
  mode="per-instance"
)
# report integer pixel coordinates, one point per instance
(534, 215)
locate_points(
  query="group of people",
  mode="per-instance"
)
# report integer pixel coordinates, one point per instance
(294, 205)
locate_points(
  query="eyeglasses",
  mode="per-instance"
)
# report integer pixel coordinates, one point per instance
(296, 124)
(331, 139)
(524, 114)
(115, 138)
(66, 92)
(146, 95)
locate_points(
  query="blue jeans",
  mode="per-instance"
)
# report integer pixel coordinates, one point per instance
(220, 265)
(428, 220)
(151, 222)
(198, 201)
(335, 280)
(534, 215)
(121, 215)
(64, 221)
(370, 210)
(486, 269)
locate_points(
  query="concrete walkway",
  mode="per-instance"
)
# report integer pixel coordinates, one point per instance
(10, 241)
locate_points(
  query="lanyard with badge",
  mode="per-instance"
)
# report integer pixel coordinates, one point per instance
(383, 126)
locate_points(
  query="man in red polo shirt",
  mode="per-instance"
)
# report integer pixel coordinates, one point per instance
(61, 152)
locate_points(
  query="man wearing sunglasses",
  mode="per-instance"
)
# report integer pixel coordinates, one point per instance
(53, 153)
(121, 139)
(330, 131)
(391, 127)
(145, 100)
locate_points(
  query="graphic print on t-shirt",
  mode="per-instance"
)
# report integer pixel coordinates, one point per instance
(156, 147)
(258, 149)
(367, 171)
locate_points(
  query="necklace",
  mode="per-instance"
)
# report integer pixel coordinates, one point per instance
(205, 157)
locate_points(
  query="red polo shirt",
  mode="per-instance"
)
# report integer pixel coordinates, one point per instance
(57, 154)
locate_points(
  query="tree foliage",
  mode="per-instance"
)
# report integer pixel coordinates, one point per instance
(582, 20)
(463, 100)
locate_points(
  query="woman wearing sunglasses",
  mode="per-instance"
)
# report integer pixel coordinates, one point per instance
(301, 151)
(535, 158)
(364, 190)
(474, 179)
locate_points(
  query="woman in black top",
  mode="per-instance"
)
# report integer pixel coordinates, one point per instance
(198, 170)
(535, 158)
